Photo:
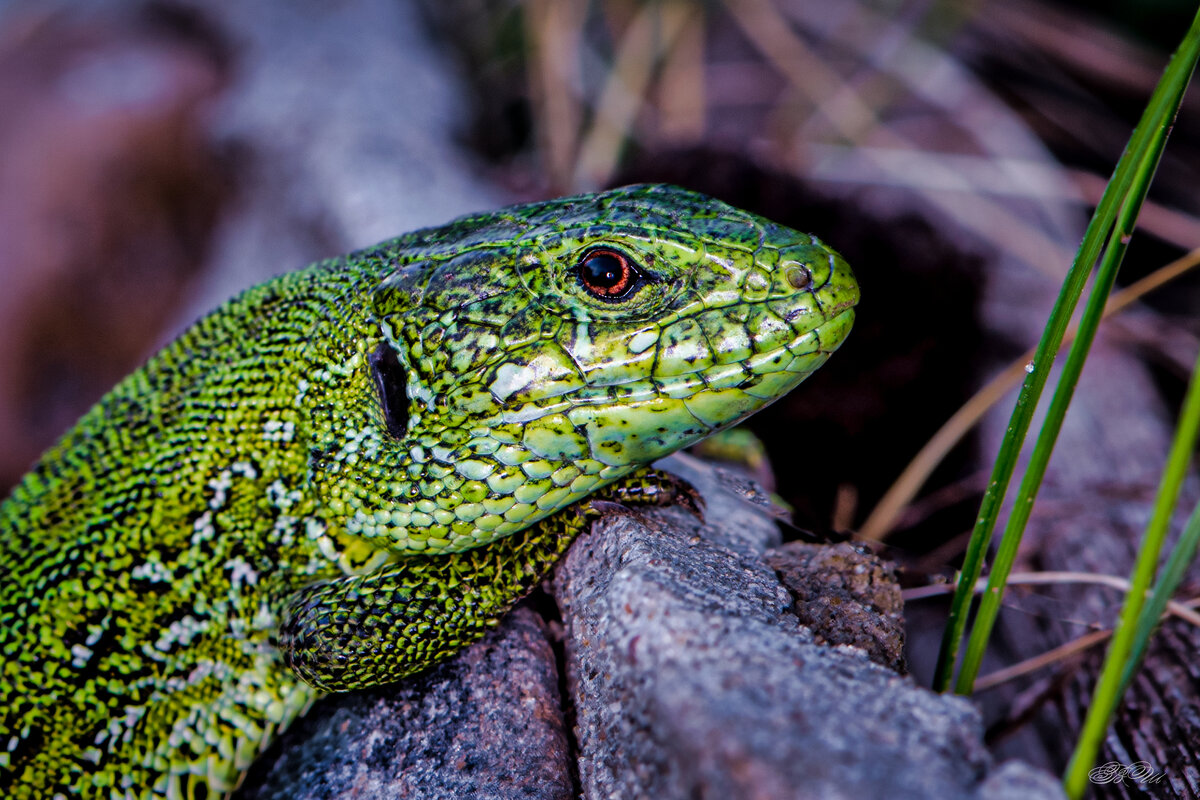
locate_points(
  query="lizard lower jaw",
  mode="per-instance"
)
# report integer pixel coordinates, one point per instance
(767, 375)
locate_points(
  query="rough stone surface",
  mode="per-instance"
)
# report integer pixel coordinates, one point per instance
(1016, 780)
(486, 725)
(692, 677)
(845, 595)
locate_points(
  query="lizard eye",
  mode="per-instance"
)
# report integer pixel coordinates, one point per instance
(608, 275)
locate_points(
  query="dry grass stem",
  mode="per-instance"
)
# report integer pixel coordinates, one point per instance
(555, 32)
(913, 477)
(652, 33)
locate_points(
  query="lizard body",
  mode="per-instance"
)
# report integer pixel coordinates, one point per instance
(350, 472)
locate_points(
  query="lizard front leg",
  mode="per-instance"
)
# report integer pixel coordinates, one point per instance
(367, 630)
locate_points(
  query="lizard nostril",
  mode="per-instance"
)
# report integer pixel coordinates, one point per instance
(798, 277)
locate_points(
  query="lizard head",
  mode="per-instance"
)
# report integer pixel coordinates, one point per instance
(533, 355)
(620, 326)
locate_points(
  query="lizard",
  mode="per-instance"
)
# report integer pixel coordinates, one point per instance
(350, 472)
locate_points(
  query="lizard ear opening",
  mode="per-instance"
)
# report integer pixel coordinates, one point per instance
(392, 387)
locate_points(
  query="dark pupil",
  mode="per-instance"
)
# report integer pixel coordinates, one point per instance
(604, 271)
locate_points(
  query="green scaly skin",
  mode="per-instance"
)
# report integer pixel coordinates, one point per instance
(247, 522)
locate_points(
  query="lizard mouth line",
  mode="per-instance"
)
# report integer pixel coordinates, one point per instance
(800, 356)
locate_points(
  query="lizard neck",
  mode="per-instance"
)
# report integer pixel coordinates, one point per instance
(448, 481)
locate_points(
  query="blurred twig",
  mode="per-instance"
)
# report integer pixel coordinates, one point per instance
(651, 34)
(681, 84)
(1077, 41)
(1183, 610)
(1176, 227)
(555, 31)
(858, 124)
(1054, 656)
(1055, 578)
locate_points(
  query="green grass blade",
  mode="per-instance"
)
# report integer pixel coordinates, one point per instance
(1010, 541)
(1137, 163)
(1138, 617)
(1164, 589)
(1018, 426)
(1130, 183)
(1002, 470)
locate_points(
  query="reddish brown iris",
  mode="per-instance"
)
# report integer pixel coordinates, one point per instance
(608, 274)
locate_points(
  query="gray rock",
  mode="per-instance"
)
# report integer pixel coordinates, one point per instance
(692, 677)
(486, 725)
(1015, 780)
(846, 596)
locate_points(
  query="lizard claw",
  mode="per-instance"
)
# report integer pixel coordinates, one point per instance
(686, 495)
(652, 487)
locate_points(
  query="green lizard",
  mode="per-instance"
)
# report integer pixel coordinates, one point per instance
(350, 472)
